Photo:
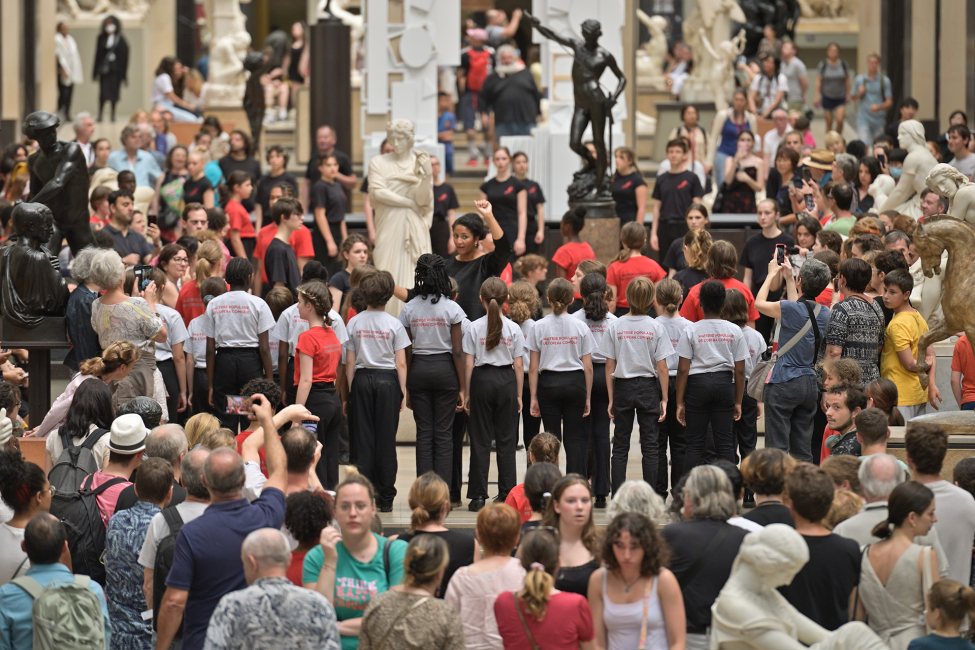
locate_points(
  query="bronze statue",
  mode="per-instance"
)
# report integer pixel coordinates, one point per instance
(592, 106)
(33, 286)
(931, 239)
(59, 180)
(254, 105)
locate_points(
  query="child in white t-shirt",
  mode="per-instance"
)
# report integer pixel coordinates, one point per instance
(376, 370)
(636, 347)
(195, 349)
(710, 378)
(522, 303)
(436, 365)
(670, 294)
(735, 311)
(595, 314)
(236, 325)
(493, 347)
(170, 361)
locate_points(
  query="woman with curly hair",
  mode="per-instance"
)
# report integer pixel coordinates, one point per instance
(634, 599)
(305, 515)
(25, 491)
(570, 511)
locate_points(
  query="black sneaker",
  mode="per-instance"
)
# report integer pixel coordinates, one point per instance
(476, 504)
(386, 507)
(600, 503)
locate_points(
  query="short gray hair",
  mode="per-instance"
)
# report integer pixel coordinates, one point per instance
(879, 474)
(107, 270)
(849, 165)
(167, 442)
(708, 489)
(228, 480)
(191, 469)
(637, 496)
(80, 266)
(507, 48)
(815, 277)
(269, 547)
(128, 131)
(146, 129)
(79, 117)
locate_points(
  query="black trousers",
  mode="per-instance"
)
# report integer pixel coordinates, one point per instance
(233, 368)
(457, 460)
(639, 396)
(746, 429)
(374, 403)
(530, 425)
(201, 391)
(64, 97)
(667, 232)
(291, 393)
(562, 401)
(672, 431)
(433, 385)
(333, 264)
(167, 368)
(324, 401)
(709, 399)
(598, 422)
(494, 414)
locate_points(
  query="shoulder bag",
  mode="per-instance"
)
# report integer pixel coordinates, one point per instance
(399, 618)
(762, 372)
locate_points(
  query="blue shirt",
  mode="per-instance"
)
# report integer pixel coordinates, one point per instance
(16, 623)
(125, 576)
(875, 95)
(801, 359)
(447, 122)
(206, 561)
(146, 169)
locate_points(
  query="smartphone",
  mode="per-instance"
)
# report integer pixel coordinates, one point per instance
(806, 175)
(238, 405)
(882, 159)
(780, 253)
(743, 148)
(143, 275)
(311, 425)
(153, 219)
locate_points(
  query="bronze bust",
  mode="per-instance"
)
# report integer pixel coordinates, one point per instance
(33, 286)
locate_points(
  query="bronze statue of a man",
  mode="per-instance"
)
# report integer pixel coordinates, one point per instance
(59, 180)
(591, 104)
(33, 286)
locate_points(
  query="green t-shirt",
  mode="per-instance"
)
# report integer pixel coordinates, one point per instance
(356, 583)
(842, 226)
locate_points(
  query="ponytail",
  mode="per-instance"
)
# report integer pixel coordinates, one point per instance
(883, 530)
(559, 295)
(118, 354)
(226, 189)
(209, 256)
(427, 498)
(953, 600)
(494, 293)
(669, 295)
(522, 301)
(633, 236)
(540, 557)
(593, 290)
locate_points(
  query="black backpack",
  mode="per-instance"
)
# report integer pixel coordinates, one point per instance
(79, 513)
(75, 463)
(164, 562)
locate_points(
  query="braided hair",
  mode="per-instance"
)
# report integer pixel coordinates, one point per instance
(431, 277)
(317, 294)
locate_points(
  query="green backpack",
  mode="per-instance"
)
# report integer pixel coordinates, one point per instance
(66, 615)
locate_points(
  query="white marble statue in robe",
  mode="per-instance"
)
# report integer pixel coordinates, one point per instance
(906, 197)
(401, 196)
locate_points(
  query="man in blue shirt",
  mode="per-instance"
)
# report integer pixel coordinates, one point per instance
(207, 561)
(46, 545)
(873, 91)
(132, 158)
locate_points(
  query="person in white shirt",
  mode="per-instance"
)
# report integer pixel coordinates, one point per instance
(493, 349)
(670, 293)
(435, 364)
(376, 371)
(772, 139)
(70, 72)
(523, 301)
(595, 314)
(163, 93)
(767, 89)
(710, 378)
(735, 311)
(238, 349)
(796, 76)
(84, 128)
(560, 375)
(964, 160)
(636, 348)
(170, 356)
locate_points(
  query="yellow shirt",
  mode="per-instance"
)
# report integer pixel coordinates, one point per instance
(903, 333)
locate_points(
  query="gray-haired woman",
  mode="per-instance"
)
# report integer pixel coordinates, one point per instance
(792, 390)
(637, 496)
(84, 340)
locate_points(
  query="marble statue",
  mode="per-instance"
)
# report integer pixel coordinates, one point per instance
(229, 41)
(401, 196)
(591, 105)
(650, 64)
(750, 614)
(906, 197)
(33, 286)
(881, 188)
(59, 179)
(128, 10)
(254, 103)
(723, 67)
(715, 17)
(828, 8)
(932, 239)
(946, 181)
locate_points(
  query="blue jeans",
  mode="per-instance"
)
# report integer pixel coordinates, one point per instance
(968, 406)
(513, 128)
(790, 407)
(179, 115)
(719, 159)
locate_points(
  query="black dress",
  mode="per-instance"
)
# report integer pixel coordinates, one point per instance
(738, 197)
(575, 579)
(503, 197)
(470, 276)
(460, 547)
(111, 66)
(444, 200)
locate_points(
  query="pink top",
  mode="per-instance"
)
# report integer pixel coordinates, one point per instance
(473, 597)
(567, 622)
(108, 499)
(809, 140)
(59, 410)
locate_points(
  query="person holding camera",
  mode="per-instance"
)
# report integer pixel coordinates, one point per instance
(759, 249)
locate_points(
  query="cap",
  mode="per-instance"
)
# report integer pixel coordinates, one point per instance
(37, 121)
(478, 34)
(128, 434)
(819, 159)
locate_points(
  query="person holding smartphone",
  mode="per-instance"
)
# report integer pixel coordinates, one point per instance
(744, 175)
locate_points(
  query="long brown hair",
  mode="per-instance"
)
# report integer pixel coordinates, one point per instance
(522, 301)
(427, 498)
(494, 293)
(209, 256)
(559, 295)
(698, 243)
(590, 535)
(633, 236)
(118, 354)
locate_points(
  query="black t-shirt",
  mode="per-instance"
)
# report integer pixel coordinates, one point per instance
(131, 242)
(193, 191)
(262, 192)
(253, 168)
(535, 198)
(503, 197)
(888, 312)
(821, 589)
(771, 513)
(444, 199)
(341, 281)
(127, 497)
(690, 277)
(460, 547)
(624, 193)
(757, 253)
(471, 275)
(688, 540)
(345, 166)
(331, 197)
(281, 265)
(676, 192)
(674, 259)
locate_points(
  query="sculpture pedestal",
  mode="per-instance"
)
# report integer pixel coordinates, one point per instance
(602, 230)
(38, 342)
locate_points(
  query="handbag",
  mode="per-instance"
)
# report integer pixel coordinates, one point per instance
(762, 372)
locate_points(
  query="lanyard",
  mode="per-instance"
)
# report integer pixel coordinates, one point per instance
(646, 607)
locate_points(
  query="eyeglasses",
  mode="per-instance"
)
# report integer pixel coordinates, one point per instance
(53, 490)
(181, 260)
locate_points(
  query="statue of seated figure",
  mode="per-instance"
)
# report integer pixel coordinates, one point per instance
(32, 283)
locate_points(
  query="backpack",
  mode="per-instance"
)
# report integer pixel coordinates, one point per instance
(66, 615)
(75, 463)
(79, 513)
(477, 72)
(164, 562)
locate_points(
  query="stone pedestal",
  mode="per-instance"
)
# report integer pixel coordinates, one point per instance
(38, 342)
(602, 230)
